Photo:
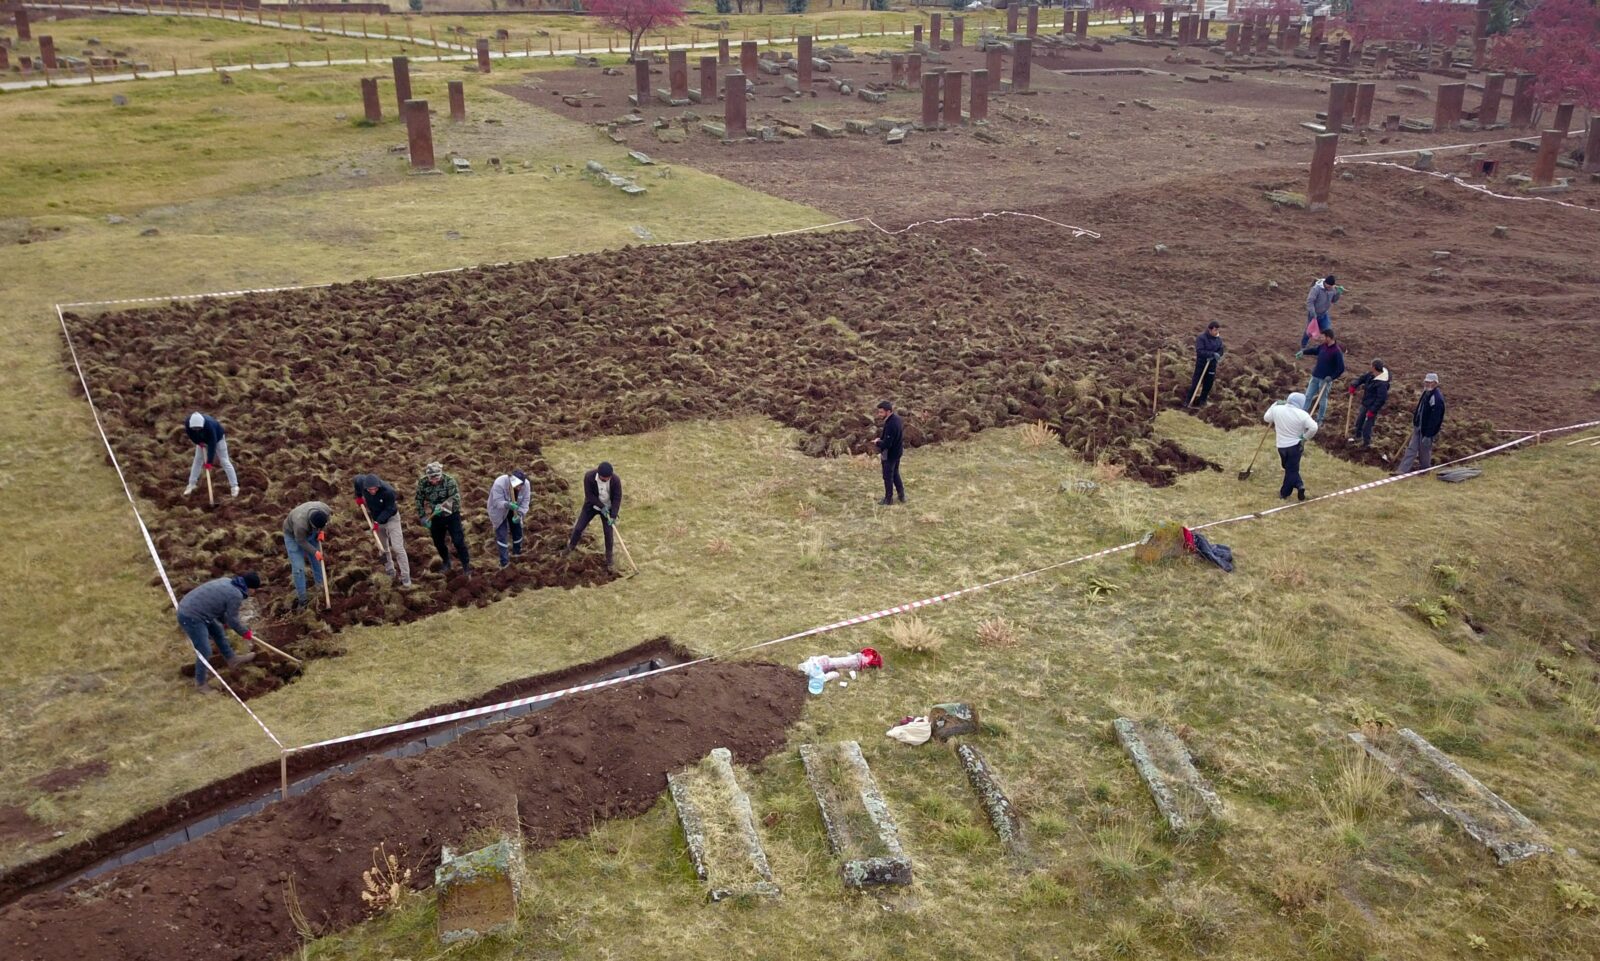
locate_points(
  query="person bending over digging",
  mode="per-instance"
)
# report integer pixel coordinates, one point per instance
(509, 498)
(439, 507)
(1426, 419)
(602, 498)
(206, 613)
(1374, 386)
(890, 444)
(302, 539)
(383, 507)
(1294, 427)
(210, 448)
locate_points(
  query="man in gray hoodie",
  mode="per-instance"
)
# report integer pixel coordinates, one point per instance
(302, 538)
(1324, 294)
(510, 496)
(204, 615)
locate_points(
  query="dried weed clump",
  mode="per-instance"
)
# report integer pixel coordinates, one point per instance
(914, 635)
(996, 632)
(1037, 435)
(385, 884)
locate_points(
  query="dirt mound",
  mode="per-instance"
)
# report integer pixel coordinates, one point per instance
(69, 777)
(601, 755)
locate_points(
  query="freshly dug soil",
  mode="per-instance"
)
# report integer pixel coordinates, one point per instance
(195, 805)
(16, 824)
(601, 755)
(69, 777)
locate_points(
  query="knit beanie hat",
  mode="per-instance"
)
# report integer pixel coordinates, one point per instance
(197, 420)
(517, 479)
(251, 580)
(319, 519)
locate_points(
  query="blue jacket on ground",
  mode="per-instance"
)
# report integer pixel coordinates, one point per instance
(217, 601)
(208, 433)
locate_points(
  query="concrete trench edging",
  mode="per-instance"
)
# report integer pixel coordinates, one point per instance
(893, 868)
(692, 820)
(1164, 793)
(1507, 850)
(1002, 813)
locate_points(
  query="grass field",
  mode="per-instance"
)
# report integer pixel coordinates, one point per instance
(1352, 612)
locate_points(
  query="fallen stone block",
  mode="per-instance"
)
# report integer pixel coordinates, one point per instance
(478, 891)
(896, 135)
(820, 65)
(1182, 796)
(714, 129)
(890, 123)
(671, 135)
(640, 157)
(826, 130)
(1456, 794)
(872, 96)
(768, 67)
(860, 126)
(1002, 815)
(950, 720)
(794, 133)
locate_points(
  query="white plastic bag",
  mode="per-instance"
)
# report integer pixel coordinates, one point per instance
(914, 732)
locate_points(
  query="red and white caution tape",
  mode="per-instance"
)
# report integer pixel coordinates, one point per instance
(1470, 186)
(898, 608)
(144, 530)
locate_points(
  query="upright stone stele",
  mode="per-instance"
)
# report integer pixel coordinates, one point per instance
(930, 101)
(1319, 30)
(1083, 24)
(1344, 52)
(958, 32)
(1033, 20)
(1447, 106)
(1021, 65)
(47, 51)
(722, 50)
(1149, 26)
(678, 74)
(747, 58)
(1011, 18)
(419, 134)
(1522, 101)
(913, 70)
(1230, 39)
(458, 101)
(483, 54)
(994, 66)
(641, 82)
(1489, 109)
(370, 105)
(952, 98)
(1338, 93)
(1322, 157)
(24, 28)
(1563, 118)
(1166, 23)
(1247, 37)
(1203, 25)
(708, 79)
(1591, 146)
(804, 67)
(402, 84)
(478, 892)
(979, 109)
(733, 105)
(897, 70)
(935, 30)
(1365, 94)
(1544, 168)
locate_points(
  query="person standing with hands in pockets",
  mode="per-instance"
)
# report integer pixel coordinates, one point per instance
(891, 444)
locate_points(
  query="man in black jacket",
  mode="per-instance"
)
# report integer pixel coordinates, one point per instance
(602, 497)
(891, 445)
(1426, 420)
(1374, 387)
(1208, 351)
(384, 509)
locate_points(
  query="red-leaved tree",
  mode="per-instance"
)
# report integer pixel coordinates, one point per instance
(637, 17)
(1559, 43)
(1423, 22)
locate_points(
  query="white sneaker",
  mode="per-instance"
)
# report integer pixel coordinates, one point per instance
(234, 491)
(188, 490)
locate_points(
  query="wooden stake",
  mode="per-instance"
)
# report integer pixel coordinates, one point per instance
(283, 773)
(1156, 388)
(1197, 384)
(327, 599)
(1349, 406)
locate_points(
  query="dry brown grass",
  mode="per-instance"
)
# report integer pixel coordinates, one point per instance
(1038, 434)
(997, 632)
(912, 634)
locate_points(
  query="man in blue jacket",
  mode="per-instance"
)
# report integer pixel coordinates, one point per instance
(210, 448)
(1426, 420)
(1374, 387)
(1208, 351)
(1329, 368)
(206, 612)
(890, 444)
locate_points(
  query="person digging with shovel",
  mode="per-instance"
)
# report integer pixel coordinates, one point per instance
(510, 496)
(210, 448)
(382, 505)
(439, 507)
(206, 613)
(302, 537)
(1374, 387)
(602, 497)
(1294, 427)
(1208, 351)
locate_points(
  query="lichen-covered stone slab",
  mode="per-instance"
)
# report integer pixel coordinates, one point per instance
(740, 815)
(1455, 793)
(1002, 814)
(889, 865)
(478, 891)
(1182, 796)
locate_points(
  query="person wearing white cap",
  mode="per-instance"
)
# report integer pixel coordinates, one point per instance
(510, 496)
(1426, 420)
(210, 448)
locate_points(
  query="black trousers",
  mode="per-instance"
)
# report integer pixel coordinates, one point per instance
(586, 514)
(1290, 458)
(1369, 416)
(892, 484)
(450, 524)
(1205, 375)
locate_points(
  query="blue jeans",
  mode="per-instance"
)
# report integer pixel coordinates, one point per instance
(300, 555)
(1318, 385)
(202, 633)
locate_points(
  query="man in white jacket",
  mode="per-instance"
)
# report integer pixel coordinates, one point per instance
(1294, 427)
(509, 498)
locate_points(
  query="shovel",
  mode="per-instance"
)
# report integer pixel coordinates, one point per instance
(617, 531)
(1201, 382)
(210, 497)
(1245, 474)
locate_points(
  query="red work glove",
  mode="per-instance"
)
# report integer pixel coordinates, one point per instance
(374, 525)
(1352, 390)
(319, 557)
(361, 502)
(208, 467)
(321, 536)
(248, 635)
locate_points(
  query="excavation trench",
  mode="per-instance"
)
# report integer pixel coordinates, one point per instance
(200, 812)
